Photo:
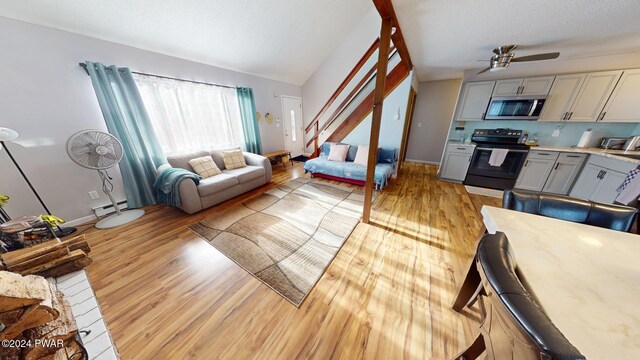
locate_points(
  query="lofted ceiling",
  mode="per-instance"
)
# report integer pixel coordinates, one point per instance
(285, 40)
(446, 37)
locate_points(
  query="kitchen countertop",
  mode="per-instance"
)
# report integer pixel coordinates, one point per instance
(614, 154)
(584, 277)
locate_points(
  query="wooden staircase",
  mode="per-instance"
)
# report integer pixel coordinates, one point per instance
(359, 111)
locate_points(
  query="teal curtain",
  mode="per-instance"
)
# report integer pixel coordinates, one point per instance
(252, 142)
(127, 119)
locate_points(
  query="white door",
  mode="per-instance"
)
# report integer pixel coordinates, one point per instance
(563, 93)
(623, 105)
(507, 87)
(593, 95)
(292, 117)
(474, 100)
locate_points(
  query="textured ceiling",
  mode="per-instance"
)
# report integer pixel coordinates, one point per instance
(447, 37)
(285, 40)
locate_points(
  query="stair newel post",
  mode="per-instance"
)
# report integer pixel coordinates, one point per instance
(316, 151)
(378, 99)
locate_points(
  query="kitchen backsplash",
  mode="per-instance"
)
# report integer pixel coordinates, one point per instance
(570, 133)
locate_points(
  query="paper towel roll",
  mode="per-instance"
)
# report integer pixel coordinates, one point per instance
(584, 140)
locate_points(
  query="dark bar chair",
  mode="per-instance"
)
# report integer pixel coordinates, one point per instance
(614, 217)
(514, 326)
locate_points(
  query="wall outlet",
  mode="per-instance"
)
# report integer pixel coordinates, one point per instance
(556, 133)
(94, 195)
(419, 124)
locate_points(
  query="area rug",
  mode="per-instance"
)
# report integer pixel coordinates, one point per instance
(287, 236)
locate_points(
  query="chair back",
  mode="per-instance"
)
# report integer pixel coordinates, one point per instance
(615, 217)
(515, 327)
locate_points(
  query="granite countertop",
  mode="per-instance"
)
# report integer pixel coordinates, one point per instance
(614, 154)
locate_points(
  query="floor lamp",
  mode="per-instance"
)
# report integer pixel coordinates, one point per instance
(8, 135)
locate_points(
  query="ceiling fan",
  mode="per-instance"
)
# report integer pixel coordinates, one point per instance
(504, 56)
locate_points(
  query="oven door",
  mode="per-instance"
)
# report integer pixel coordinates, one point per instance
(509, 169)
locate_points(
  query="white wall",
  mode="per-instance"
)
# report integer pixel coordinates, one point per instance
(431, 119)
(391, 125)
(325, 80)
(47, 97)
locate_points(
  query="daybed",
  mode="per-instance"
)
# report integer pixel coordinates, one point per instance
(350, 172)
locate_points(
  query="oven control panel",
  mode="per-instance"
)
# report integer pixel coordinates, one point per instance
(498, 132)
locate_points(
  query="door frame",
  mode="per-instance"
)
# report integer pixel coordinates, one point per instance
(284, 136)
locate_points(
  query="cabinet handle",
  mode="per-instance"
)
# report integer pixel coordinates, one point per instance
(564, 116)
(483, 114)
(469, 158)
(461, 148)
(557, 164)
(544, 154)
(574, 156)
(604, 173)
(526, 163)
(602, 114)
(570, 115)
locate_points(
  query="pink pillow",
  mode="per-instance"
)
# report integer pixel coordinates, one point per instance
(362, 155)
(338, 152)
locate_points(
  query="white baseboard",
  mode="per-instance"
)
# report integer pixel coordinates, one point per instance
(422, 162)
(80, 221)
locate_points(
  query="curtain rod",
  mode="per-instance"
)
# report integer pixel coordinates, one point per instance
(84, 66)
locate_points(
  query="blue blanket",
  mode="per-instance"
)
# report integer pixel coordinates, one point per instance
(168, 182)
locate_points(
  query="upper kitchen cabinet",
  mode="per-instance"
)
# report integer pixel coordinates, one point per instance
(593, 95)
(527, 86)
(474, 98)
(562, 95)
(624, 104)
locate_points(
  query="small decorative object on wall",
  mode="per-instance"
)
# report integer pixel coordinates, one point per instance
(269, 118)
(258, 116)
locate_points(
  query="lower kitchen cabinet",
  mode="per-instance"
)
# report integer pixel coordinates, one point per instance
(456, 161)
(600, 179)
(536, 170)
(564, 173)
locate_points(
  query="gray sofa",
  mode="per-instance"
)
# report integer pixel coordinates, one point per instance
(216, 189)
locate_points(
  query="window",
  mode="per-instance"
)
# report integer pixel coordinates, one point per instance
(293, 125)
(188, 116)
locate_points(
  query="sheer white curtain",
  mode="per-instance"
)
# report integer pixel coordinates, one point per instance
(188, 116)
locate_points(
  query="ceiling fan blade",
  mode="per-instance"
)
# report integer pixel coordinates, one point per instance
(536, 57)
(484, 70)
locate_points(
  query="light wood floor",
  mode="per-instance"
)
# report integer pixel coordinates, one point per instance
(167, 294)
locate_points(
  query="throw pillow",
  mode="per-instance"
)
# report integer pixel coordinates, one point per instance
(338, 152)
(205, 167)
(362, 155)
(233, 159)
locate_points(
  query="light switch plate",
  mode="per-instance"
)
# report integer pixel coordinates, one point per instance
(94, 195)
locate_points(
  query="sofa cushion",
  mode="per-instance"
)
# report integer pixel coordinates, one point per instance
(182, 160)
(216, 184)
(246, 173)
(362, 155)
(338, 152)
(216, 154)
(233, 159)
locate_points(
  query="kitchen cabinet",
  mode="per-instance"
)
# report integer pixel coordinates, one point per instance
(536, 170)
(561, 96)
(623, 105)
(474, 99)
(600, 179)
(456, 161)
(523, 86)
(564, 173)
(593, 95)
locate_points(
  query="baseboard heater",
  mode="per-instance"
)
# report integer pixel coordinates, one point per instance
(109, 209)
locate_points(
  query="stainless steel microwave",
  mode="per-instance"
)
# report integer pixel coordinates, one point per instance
(515, 108)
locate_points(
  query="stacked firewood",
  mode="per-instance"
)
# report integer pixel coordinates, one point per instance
(50, 259)
(36, 321)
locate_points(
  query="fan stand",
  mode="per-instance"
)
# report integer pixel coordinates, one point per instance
(120, 217)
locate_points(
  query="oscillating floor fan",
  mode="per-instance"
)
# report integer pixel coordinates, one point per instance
(97, 150)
